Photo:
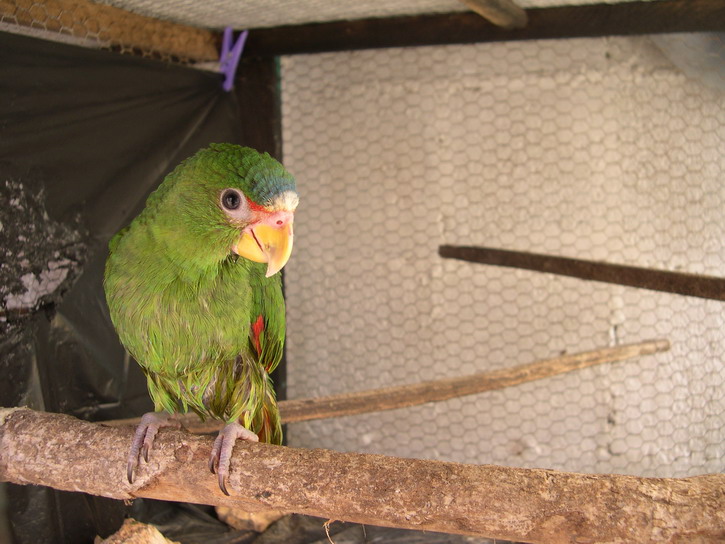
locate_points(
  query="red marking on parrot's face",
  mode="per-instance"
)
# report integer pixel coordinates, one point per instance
(257, 330)
(272, 217)
(254, 206)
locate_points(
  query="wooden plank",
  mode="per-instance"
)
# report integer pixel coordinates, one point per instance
(114, 28)
(626, 18)
(503, 13)
(692, 285)
(257, 89)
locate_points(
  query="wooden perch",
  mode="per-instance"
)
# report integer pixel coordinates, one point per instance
(404, 396)
(503, 13)
(529, 505)
(632, 276)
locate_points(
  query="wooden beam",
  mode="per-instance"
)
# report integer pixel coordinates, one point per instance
(114, 28)
(529, 505)
(503, 13)
(124, 31)
(625, 18)
(692, 285)
(257, 88)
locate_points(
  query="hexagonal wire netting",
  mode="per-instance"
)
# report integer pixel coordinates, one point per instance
(86, 25)
(590, 148)
(602, 149)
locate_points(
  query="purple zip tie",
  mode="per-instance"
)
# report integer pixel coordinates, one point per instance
(229, 60)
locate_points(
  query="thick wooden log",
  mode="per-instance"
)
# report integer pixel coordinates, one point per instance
(529, 505)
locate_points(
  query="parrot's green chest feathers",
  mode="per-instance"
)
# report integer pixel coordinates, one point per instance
(187, 287)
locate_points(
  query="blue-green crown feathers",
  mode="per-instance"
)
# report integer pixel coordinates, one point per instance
(260, 176)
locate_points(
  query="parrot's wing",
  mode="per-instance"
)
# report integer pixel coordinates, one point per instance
(113, 242)
(268, 325)
(266, 337)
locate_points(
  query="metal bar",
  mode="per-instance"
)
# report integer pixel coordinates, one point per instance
(692, 285)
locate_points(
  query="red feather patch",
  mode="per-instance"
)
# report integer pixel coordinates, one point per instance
(257, 330)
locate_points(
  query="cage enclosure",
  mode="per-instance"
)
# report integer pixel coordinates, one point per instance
(577, 153)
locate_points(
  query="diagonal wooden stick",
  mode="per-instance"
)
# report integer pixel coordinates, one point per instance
(403, 396)
(692, 285)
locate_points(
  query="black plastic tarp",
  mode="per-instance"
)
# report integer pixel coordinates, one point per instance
(85, 135)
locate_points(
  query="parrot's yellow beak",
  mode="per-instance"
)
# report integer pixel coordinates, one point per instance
(267, 244)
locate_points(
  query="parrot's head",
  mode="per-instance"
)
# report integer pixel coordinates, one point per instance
(235, 200)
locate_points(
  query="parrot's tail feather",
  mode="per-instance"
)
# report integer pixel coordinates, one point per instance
(270, 430)
(239, 390)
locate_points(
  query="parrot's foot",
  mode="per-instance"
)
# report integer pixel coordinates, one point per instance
(143, 440)
(221, 451)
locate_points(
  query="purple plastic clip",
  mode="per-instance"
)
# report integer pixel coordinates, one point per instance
(230, 56)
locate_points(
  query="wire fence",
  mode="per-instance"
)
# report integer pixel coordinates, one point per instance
(597, 149)
(602, 149)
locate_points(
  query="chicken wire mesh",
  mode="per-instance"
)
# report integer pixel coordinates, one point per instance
(597, 148)
(590, 148)
(269, 13)
(103, 27)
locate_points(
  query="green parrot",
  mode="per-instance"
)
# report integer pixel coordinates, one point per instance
(193, 292)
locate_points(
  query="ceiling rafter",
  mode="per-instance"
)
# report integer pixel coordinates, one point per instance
(109, 27)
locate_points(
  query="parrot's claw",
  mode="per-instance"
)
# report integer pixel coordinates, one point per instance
(221, 451)
(143, 439)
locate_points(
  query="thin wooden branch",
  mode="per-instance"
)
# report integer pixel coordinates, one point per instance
(392, 398)
(692, 285)
(503, 13)
(528, 505)
(113, 27)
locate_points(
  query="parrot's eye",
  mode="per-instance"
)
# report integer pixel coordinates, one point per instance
(231, 199)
